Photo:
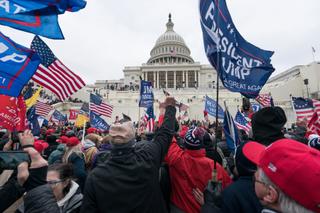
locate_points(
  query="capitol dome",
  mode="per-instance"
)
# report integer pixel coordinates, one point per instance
(170, 48)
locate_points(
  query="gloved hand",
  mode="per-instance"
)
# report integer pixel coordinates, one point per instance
(212, 193)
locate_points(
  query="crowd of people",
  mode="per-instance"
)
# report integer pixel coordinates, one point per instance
(182, 167)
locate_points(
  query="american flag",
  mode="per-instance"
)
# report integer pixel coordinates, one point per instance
(242, 123)
(96, 105)
(314, 124)
(149, 119)
(264, 99)
(316, 105)
(53, 74)
(43, 109)
(303, 107)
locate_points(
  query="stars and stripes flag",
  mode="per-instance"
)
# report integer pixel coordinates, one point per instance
(149, 119)
(43, 109)
(314, 124)
(99, 107)
(303, 107)
(241, 122)
(316, 105)
(265, 100)
(53, 74)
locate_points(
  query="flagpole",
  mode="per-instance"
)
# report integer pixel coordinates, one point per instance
(84, 122)
(313, 51)
(214, 172)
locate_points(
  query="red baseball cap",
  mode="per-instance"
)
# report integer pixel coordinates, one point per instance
(73, 141)
(292, 166)
(40, 145)
(63, 139)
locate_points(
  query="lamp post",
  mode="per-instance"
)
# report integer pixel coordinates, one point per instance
(306, 82)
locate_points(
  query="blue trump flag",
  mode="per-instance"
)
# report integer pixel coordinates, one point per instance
(231, 132)
(146, 94)
(210, 107)
(23, 6)
(59, 118)
(97, 122)
(17, 66)
(40, 22)
(33, 122)
(242, 67)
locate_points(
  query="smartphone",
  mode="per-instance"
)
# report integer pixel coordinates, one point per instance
(11, 159)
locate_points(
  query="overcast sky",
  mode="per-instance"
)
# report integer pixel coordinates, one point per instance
(110, 34)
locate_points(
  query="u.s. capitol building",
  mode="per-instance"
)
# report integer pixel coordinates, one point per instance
(169, 67)
(172, 68)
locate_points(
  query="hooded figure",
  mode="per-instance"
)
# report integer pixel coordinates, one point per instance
(267, 125)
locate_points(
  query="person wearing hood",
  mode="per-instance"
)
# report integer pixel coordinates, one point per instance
(129, 180)
(267, 125)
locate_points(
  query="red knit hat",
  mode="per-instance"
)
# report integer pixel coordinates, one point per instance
(73, 141)
(40, 145)
(292, 166)
(91, 130)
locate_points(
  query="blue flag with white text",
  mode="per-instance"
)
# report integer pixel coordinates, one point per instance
(242, 67)
(210, 107)
(97, 122)
(146, 94)
(17, 66)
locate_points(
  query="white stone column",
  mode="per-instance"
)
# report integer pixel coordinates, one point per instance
(166, 79)
(195, 77)
(175, 79)
(199, 79)
(158, 86)
(154, 80)
(187, 80)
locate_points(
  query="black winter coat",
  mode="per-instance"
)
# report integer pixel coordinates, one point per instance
(39, 200)
(129, 180)
(239, 197)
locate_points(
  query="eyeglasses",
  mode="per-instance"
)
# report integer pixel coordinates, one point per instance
(259, 181)
(54, 182)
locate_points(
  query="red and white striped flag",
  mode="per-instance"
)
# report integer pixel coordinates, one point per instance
(316, 105)
(264, 100)
(99, 107)
(303, 107)
(53, 74)
(314, 124)
(43, 109)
